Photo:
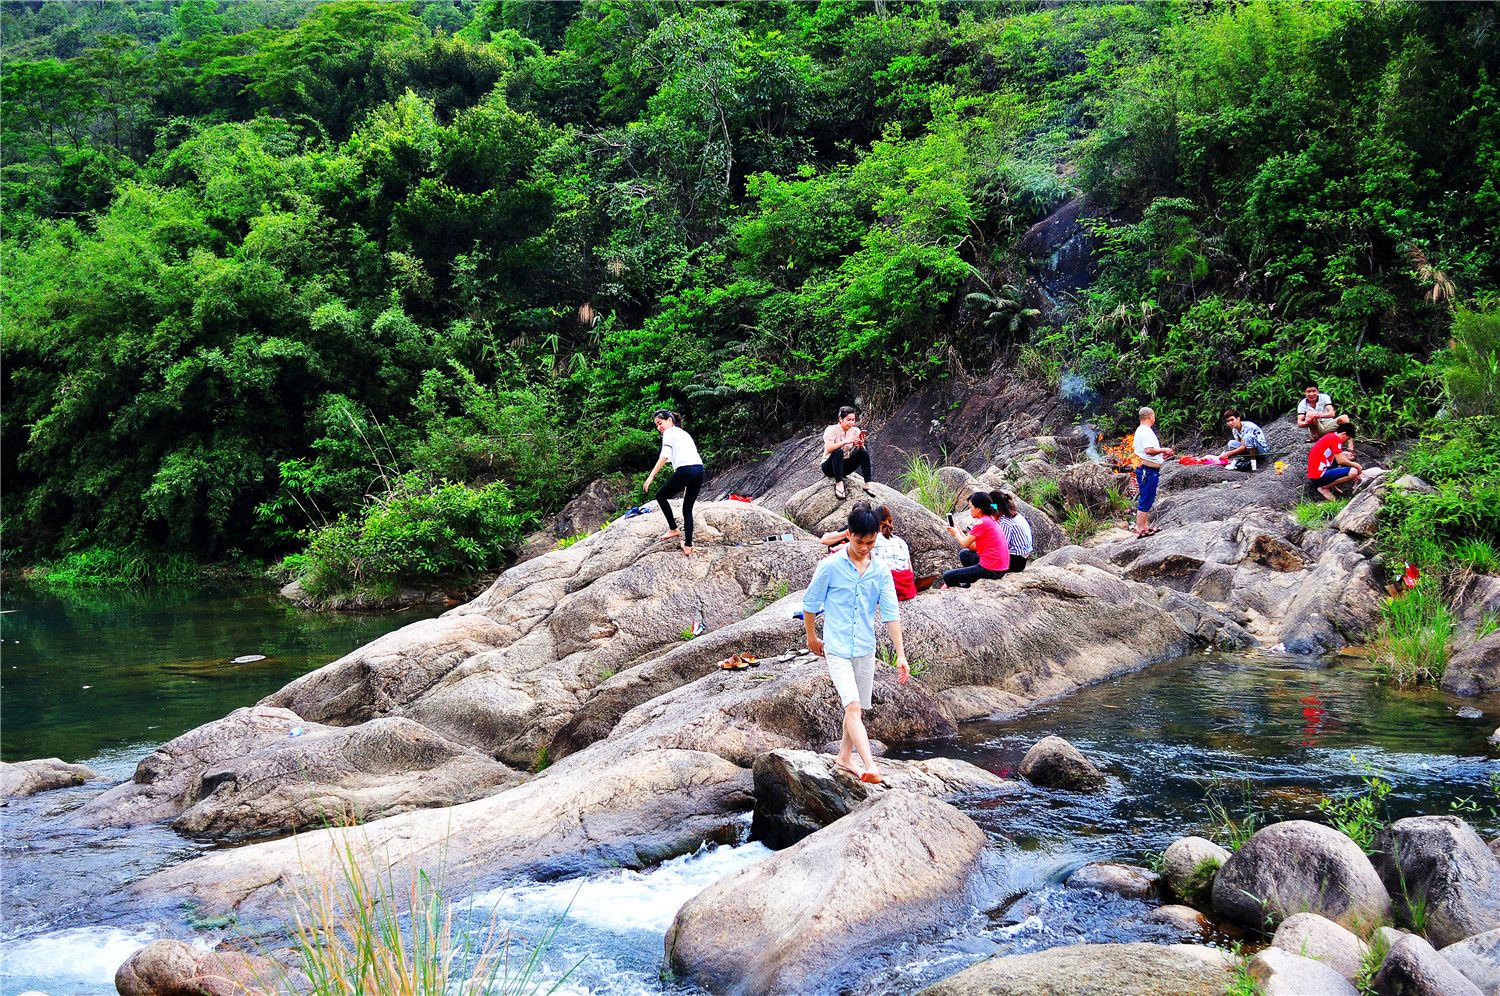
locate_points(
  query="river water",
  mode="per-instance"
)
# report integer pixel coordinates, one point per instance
(103, 679)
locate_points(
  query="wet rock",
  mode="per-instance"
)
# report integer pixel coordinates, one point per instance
(1183, 918)
(1095, 969)
(1478, 959)
(1281, 973)
(1052, 762)
(175, 968)
(1413, 968)
(262, 771)
(1126, 881)
(1296, 867)
(1475, 670)
(1442, 864)
(1188, 868)
(41, 775)
(898, 865)
(599, 808)
(818, 510)
(799, 792)
(1322, 940)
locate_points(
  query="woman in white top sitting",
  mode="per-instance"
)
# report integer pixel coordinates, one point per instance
(678, 448)
(890, 551)
(1017, 531)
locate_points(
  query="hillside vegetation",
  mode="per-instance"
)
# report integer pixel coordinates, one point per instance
(393, 278)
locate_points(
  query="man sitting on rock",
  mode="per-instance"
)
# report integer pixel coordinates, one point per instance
(847, 588)
(844, 452)
(1331, 463)
(1246, 439)
(1316, 414)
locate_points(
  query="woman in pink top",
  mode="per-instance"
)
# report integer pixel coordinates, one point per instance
(844, 453)
(985, 553)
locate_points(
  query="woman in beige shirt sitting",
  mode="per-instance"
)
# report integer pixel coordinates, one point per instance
(844, 452)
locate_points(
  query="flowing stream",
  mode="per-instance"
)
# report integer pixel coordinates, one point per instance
(103, 679)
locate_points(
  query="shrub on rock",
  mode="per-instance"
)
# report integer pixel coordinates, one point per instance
(1188, 869)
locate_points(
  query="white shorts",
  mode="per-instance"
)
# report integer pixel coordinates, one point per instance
(854, 678)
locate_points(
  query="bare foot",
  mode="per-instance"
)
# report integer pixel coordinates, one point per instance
(670, 535)
(687, 551)
(844, 762)
(1326, 493)
(872, 778)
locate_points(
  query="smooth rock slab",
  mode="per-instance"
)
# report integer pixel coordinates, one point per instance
(1282, 973)
(1475, 670)
(1127, 881)
(1322, 940)
(41, 775)
(1096, 970)
(1052, 762)
(1188, 869)
(799, 792)
(1442, 862)
(1478, 958)
(898, 865)
(1297, 867)
(1413, 968)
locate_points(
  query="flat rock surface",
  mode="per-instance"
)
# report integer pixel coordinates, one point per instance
(41, 775)
(1096, 970)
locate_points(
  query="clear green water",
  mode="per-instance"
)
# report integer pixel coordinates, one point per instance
(84, 674)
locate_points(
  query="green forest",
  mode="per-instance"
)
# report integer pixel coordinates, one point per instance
(374, 286)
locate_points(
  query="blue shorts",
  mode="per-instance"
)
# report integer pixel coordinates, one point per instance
(1332, 476)
(1147, 478)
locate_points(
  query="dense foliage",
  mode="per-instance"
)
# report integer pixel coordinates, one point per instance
(264, 258)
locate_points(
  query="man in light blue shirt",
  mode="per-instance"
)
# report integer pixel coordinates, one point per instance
(1245, 438)
(847, 588)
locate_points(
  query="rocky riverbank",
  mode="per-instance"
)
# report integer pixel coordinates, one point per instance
(568, 719)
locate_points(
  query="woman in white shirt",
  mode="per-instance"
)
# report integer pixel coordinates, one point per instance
(677, 448)
(1017, 531)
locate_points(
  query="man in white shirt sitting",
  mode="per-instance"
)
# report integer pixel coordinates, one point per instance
(1316, 414)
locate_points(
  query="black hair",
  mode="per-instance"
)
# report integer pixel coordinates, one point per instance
(983, 501)
(666, 415)
(1347, 429)
(846, 410)
(1230, 413)
(1007, 503)
(887, 521)
(863, 520)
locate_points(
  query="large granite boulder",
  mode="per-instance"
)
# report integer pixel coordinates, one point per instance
(1478, 959)
(176, 968)
(1089, 485)
(1096, 970)
(601, 808)
(901, 864)
(1282, 973)
(799, 792)
(1413, 968)
(506, 672)
(1440, 864)
(1189, 865)
(262, 771)
(1474, 670)
(818, 510)
(1319, 938)
(1052, 762)
(1297, 867)
(41, 775)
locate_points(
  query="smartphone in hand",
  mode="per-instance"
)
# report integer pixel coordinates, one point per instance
(950, 518)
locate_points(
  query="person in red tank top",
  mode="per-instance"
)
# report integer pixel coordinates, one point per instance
(985, 553)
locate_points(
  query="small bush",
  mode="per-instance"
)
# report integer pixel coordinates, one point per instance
(1476, 555)
(1079, 523)
(1314, 514)
(104, 567)
(1411, 645)
(1040, 491)
(1225, 826)
(921, 476)
(411, 533)
(1359, 814)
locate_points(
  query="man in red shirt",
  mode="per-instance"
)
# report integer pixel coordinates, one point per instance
(1330, 464)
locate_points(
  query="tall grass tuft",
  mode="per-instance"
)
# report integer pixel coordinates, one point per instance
(1079, 523)
(105, 567)
(921, 477)
(1313, 514)
(1411, 645)
(358, 932)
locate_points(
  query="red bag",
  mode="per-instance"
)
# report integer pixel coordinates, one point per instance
(906, 584)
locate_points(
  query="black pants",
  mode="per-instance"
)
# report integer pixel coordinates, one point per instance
(1017, 564)
(962, 577)
(687, 481)
(838, 466)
